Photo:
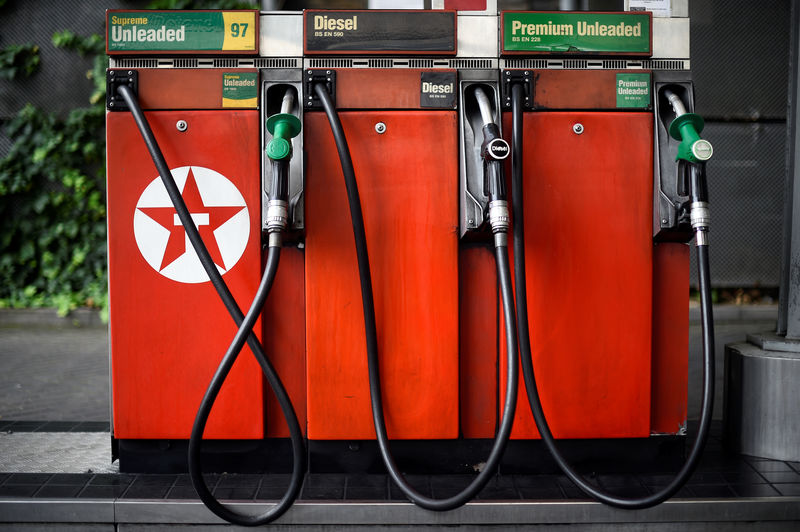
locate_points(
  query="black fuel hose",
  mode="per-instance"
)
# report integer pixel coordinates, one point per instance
(244, 333)
(501, 254)
(707, 404)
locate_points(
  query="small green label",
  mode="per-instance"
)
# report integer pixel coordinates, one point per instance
(574, 32)
(240, 89)
(165, 31)
(633, 90)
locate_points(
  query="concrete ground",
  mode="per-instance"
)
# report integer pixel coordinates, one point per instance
(54, 370)
(732, 323)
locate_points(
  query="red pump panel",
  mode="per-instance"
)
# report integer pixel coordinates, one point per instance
(588, 244)
(478, 310)
(407, 179)
(670, 337)
(168, 329)
(285, 339)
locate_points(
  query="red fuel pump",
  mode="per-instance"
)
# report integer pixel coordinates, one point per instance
(607, 384)
(246, 152)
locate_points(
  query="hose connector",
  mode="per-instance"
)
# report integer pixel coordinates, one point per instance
(700, 218)
(700, 215)
(499, 216)
(277, 215)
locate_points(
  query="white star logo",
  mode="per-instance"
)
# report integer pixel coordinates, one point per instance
(218, 210)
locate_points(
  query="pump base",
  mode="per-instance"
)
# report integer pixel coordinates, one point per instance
(648, 455)
(624, 455)
(231, 456)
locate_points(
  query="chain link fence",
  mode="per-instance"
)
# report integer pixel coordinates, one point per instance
(740, 52)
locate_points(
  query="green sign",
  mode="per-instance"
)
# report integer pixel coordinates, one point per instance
(633, 90)
(240, 89)
(576, 32)
(179, 31)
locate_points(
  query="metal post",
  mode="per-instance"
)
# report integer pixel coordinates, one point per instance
(762, 399)
(789, 308)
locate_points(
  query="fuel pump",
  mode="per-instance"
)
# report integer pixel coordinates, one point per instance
(205, 190)
(402, 127)
(522, 94)
(257, 126)
(284, 125)
(494, 150)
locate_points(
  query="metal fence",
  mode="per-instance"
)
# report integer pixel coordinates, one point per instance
(739, 59)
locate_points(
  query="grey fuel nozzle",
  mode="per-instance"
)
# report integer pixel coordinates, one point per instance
(494, 151)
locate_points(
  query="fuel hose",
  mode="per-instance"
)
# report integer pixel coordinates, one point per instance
(525, 346)
(243, 334)
(371, 336)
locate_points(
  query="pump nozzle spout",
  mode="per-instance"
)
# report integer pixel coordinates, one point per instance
(288, 101)
(485, 106)
(676, 102)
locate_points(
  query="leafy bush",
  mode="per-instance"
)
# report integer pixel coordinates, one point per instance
(52, 202)
(52, 186)
(18, 60)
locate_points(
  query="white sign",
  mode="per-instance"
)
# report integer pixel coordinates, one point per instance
(218, 210)
(659, 8)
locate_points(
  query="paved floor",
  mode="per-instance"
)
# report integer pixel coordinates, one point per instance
(53, 373)
(56, 452)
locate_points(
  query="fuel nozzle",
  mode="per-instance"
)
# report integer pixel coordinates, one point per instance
(283, 126)
(686, 127)
(494, 150)
(693, 152)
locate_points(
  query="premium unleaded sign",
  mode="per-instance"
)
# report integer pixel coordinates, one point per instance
(181, 31)
(577, 33)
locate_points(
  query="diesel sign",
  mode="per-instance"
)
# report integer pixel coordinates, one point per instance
(394, 32)
(438, 89)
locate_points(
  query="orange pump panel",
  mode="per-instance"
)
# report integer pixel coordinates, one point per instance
(588, 244)
(670, 337)
(556, 89)
(168, 337)
(285, 339)
(179, 88)
(478, 334)
(407, 178)
(356, 88)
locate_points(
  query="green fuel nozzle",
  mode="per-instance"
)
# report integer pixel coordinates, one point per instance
(693, 152)
(283, 126)
(687, 128)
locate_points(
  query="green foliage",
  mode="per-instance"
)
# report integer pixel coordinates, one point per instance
(52, 202)
(202, 4)
(93, 45)
(19, 60)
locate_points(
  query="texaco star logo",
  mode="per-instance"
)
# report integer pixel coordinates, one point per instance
(218, 210)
